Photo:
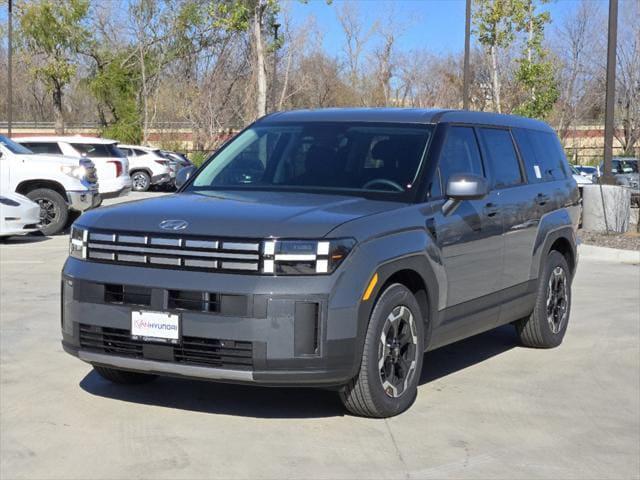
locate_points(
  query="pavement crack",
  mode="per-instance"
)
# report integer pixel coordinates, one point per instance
(397, 448)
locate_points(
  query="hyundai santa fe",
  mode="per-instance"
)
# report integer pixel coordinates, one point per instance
(331, 248)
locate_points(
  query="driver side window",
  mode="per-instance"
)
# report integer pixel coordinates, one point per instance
(459, 154)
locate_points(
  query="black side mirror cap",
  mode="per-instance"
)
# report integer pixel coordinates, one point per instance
(183, 175)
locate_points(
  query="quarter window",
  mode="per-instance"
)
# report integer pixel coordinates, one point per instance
(543, 155)
(501, 156)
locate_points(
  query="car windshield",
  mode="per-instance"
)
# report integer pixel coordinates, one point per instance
(346, 157)
(625, 166)
(14, 147)
(98, 150)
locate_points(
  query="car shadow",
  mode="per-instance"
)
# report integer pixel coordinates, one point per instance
(34, 237)
(466, 353)
(265, 402)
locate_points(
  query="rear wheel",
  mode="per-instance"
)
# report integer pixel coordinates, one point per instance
(387, 382)
(122, 376)
(53, 210)
(140, 181)
(547, 324)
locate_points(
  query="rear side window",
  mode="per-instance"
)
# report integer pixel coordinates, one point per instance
(98, 150)
(501, 156)
(139, 152)
(460, 154)
(38, 147)
(543, 155)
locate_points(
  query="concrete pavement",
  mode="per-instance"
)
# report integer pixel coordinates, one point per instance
(486, 407)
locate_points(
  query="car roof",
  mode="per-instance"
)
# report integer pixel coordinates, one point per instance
(67, 139)
(404, 115)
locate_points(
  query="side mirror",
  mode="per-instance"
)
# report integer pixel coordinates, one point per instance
(464, 186)
(183, 175)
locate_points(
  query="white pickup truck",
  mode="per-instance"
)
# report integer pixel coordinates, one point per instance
(59, 184)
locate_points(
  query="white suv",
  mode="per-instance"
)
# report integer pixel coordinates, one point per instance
(57, 183)
(111, 164)
(147, 166)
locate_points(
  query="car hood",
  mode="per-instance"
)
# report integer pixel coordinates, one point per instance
(48, 158)
(236, 215)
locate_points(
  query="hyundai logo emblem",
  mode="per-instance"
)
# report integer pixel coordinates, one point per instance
(174, 225)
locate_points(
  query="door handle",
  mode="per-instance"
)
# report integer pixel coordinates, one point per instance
(491, 209)
(542, 199)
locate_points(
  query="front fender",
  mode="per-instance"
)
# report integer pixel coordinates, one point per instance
(385, 255)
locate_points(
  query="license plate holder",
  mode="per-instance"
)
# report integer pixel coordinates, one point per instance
(158, 327)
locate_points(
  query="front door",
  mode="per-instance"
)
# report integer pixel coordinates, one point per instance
(470, 239)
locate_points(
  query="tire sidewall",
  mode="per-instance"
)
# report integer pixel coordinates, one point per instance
(554, 259)
(392, 297)
(61, 219)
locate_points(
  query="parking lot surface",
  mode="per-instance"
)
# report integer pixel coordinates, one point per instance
(486, 408)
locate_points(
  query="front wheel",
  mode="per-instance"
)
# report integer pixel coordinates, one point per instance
(387, 382)
(547, 324)
(53, 210)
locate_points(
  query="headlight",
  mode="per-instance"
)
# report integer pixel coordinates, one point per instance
(304, 257)
(78, 242)
(78, 172)
(9, 202)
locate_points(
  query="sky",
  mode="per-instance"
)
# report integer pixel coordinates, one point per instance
(437, 25)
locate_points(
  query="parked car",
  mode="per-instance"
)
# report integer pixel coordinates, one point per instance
(59, 184)
(18, 214)
(111, 164)
(331, 248)
(587, 171)
(625, 171)
(579, 178)
(147, 167)
(180, 158)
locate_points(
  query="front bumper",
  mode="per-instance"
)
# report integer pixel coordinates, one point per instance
(83, 200)
(265, 331)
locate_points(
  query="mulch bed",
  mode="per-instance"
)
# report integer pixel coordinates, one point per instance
(624, 241)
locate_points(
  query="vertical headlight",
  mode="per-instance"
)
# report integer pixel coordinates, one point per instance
(304, 257)
(78, 242)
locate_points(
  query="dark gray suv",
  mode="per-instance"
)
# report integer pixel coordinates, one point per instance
(331, 248)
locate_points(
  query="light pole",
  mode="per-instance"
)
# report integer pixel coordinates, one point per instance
(276, 26)
(10, 70)
(467, 36)
(610, 97)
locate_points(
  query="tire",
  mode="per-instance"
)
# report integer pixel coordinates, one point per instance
(547, 324)
(371, 393)
(140, 181)
(53, 210)
(124, 377)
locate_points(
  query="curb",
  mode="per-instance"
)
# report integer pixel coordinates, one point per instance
(607, 254)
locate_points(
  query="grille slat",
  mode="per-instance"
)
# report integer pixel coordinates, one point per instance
(193, 350)
(164, 250)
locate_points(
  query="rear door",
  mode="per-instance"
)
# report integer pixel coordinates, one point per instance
(519, 204)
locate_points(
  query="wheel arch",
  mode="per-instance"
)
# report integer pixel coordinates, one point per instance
(29, 185)
(415, 273)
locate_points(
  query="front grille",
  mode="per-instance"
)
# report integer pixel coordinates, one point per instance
(197, 351)
(194, 301)
(127, 295)
(113, 341)
(183, 252)
(215, 353)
